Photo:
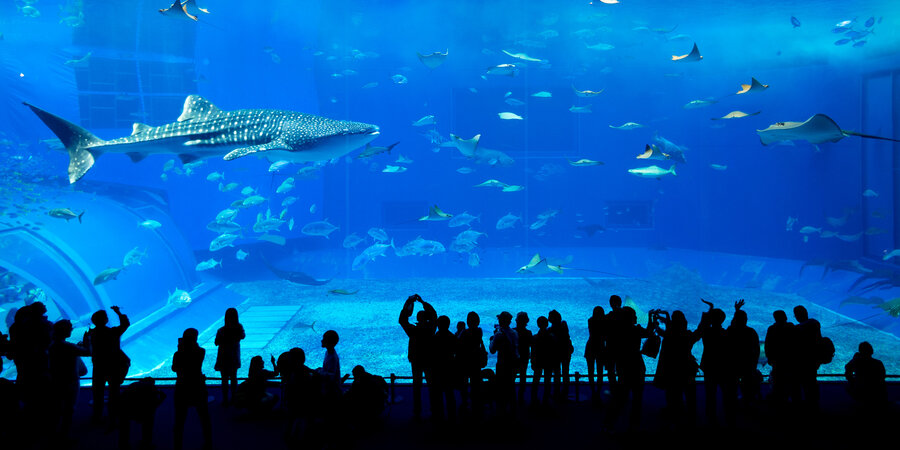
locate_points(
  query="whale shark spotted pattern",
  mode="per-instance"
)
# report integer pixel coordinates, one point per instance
(203, 130)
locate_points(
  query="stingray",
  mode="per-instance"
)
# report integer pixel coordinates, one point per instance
(293, 277)
(754, 86)
(694, 55)
(653, 152)
(435, 214)
(180, 9)
(735, 115)
(816, 130)
(433, 60)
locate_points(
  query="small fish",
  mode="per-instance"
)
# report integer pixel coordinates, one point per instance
(585, 162)
(371, 150)
(810, 230)
(342, 292)
(394, 169)
(513, 102)
(580, 109)
(509, 70)
(399, 79)
(601, 46)
(513, 188)
(65, 213)
(107, 275)
(278, 165)
(285, 186)
(542, 94)
(509, 116)
(694, 104)
(247, 191)
(791, 221)
(427, 120)
(842, 41)
(403, 160)
(859, 44)
(718, 166)
(870, 193)
(888, 255)
(288, 201)
(465, 170)
(312, 208)
(291, 224)
(371, 85)
(869, 22)
(207, 265)
(652, 171)
(627, 126)
(134, 256)
(241, 255)
(215, 176)
(795, 22)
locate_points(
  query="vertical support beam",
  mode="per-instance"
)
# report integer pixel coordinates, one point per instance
(895, 156)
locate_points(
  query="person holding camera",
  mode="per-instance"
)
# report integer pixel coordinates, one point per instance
(110, 363)
(420, 339)
(676, 370)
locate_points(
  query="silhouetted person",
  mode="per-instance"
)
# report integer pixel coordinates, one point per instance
(443, 371)
(66, 368)
(676, 370)
(542, 354)
(472, 357)
(614, 325)
(30, 336)
(190, 387)
(110, 363)
(526, 338)
(228, 356)
(866, 380)
(559, 329)
(779, 357)
(460, 327)
(807, 334)
(331, 367)
(594, 350)
(253, 393)
(420, 336)
(505, 343)
(367, 396)
(139, 403)
(630, 368)
(743, 347)
(715, 363)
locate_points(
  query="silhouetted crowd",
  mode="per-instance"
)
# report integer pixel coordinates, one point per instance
(451, 365)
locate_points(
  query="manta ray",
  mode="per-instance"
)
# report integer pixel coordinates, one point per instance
(184, 9)
(754, 86)
(434, 59)
(693, 56)
(816, 130)
(203, 131)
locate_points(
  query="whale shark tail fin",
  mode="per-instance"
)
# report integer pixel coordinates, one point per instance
(77, 141)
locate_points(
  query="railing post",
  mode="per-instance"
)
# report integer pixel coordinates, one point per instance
(393, 379)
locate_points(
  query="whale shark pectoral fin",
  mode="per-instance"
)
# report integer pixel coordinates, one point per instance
(136, 156)
(197, 107)
(244, 151)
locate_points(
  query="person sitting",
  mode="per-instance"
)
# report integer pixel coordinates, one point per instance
(367, 397)
(253, 394)
(866, 378)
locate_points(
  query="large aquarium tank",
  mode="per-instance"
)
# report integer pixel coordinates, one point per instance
(314, 163)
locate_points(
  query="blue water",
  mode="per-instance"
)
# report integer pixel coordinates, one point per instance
(105, 66)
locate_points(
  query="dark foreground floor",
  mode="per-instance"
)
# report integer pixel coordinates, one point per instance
(572, 425)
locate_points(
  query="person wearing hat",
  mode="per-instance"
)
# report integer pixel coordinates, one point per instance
(505, 343)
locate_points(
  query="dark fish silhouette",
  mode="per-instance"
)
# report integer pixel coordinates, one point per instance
(293, 277)
(795, 22)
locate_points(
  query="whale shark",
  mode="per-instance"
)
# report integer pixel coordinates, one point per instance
(203, 131)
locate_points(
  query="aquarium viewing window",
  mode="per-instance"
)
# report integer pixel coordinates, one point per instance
(314, 170)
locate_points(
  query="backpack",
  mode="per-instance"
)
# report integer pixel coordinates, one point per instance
(825, 350)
